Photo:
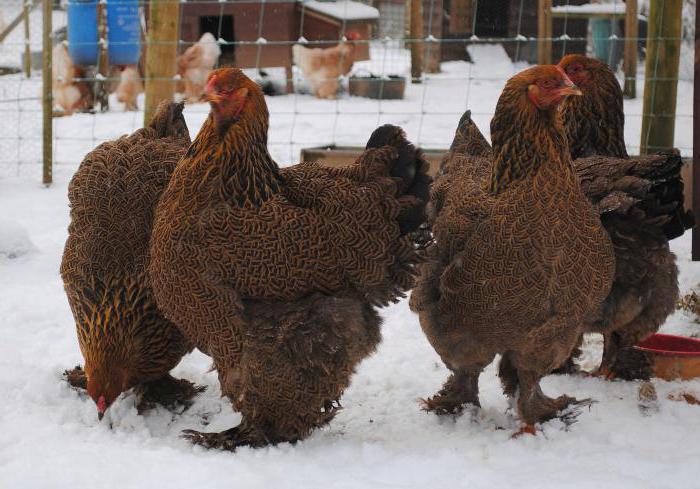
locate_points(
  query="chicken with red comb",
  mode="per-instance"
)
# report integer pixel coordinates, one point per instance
(277, 272)
(520, 262)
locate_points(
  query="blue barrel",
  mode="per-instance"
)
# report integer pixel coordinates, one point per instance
(123, 32)
(82, 31)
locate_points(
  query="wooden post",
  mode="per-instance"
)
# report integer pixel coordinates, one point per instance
(544, 32)
(27, 43)
(161, 53)
(47, 97)
(631, 35)
(696, 138)
(416, 36)
(11, 26)
(101, 85)
(661, 75)
(461, 15)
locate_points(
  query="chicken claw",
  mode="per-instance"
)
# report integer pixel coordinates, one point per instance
(230, 439)
(76, 378)
(169, 392)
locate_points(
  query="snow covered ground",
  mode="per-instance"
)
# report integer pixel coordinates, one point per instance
(50, 435)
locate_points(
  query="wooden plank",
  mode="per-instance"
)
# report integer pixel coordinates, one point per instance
(11, 26)
(461, 16)
(630, 60)
(416, 39)
(47, 96)
(544, 32)
(27, 46)
(661, 76)
(696, 139)
(161, 53)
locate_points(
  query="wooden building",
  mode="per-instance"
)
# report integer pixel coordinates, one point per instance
(264, 33)
(504, 19)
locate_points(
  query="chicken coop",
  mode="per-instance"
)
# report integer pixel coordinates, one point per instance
(260, 35)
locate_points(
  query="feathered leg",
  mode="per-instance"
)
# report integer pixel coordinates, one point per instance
(297, 360)
(167, 391)
(460, 389)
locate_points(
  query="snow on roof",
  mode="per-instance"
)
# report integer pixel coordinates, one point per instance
(592, 8)
(343, 9)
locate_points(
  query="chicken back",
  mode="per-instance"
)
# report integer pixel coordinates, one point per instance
(275, 272)
(125, 340)
(520, 260)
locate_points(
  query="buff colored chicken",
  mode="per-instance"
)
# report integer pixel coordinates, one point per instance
(520, 262)
(125, 340)
(69, 92)
(323, 67)
(276, 273)
(195, 64)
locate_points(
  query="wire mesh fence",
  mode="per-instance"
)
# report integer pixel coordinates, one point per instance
(467, 50)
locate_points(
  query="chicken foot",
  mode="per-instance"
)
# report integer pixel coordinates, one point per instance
(76, 378)
(238, 436)
(167, 391)
(535, 407)
(460, 389)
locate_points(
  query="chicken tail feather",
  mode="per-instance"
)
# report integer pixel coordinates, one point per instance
(411, 167)
(168, 121)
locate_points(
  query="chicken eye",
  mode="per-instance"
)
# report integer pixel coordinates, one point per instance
(548, 83)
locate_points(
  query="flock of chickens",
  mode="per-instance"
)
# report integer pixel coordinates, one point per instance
(72, 92)
(515, 249)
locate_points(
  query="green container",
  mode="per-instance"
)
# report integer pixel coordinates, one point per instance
(605, 49)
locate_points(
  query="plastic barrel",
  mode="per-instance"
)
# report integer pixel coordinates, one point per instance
(82, 31)
(123, 32)
(605, 49)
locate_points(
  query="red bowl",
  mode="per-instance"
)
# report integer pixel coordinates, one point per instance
(674, 357)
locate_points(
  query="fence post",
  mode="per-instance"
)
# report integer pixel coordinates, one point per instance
(27, 47)
(47, 97)
(544, 32)
(696, 139)
(102, 82)
(631, 40)
(661, 75)
(416, 38)
(161, 53)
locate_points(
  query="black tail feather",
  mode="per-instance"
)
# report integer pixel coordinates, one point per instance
(411, 167)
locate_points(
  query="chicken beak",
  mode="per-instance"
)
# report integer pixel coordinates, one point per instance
(573, 90)
(569, 88)
(100, 415)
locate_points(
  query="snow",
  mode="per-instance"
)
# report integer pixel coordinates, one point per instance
(50, 435)
(14, 240)
(591, 8)
(342, 9)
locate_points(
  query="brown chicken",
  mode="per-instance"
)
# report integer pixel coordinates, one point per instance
(323, 67)
(125, 340)
(70, 92)
(646, 196)
(276, 273)
(520, 261)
